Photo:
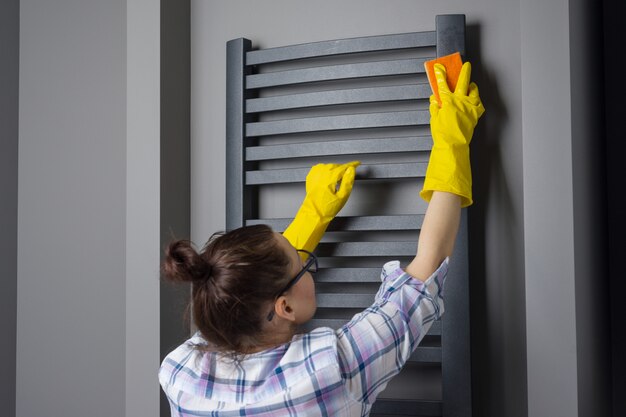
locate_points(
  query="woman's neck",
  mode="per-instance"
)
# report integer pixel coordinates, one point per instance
(274, 335)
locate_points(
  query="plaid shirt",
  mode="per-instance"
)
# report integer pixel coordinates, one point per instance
(320, 373)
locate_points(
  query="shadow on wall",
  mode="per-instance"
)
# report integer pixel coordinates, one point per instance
(496, 368)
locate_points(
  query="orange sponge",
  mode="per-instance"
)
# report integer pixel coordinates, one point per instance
(453, 64)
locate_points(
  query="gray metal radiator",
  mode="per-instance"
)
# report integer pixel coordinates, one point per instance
(334, 101)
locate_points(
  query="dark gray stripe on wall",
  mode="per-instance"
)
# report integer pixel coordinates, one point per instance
(175, 164)
(9, 119)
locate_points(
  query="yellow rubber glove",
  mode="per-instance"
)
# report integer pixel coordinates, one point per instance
(452, 127)
(324, 198)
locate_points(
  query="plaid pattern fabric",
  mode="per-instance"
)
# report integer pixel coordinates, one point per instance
(320, 373)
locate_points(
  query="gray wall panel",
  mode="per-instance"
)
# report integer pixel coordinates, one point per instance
(565, 295)
(142, 207)
(175, 181)
(590, 231)
(9, 104)
(72, 209)
(88, 228)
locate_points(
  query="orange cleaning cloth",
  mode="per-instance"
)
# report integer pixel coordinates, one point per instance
(453, 64)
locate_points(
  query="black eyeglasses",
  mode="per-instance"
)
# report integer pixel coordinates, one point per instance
(309, 266)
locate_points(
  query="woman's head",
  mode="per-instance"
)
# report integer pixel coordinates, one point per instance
(236, 280)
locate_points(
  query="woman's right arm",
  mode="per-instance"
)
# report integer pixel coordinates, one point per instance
(448, 182)
(374, 346)
(437, 235)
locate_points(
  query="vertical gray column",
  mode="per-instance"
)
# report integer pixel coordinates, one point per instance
(450, 34)
(142, 220)
(175, 165)
(589, 201)
(9, 106)
(71, 295)
(238, 198)
(455, 334)
(548, 209)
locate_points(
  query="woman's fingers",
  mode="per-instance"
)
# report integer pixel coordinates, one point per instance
(473, 90)
(347, 181)
(462, 85)
(339, 172)
(434, 106)
(440, 75)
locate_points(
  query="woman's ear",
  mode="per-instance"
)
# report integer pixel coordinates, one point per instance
(284, 310)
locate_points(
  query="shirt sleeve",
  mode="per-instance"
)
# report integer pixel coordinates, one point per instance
(374, 346)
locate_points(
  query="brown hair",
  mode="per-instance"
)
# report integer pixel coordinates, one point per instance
(235, 278)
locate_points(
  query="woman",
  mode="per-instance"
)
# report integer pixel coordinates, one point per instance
(253, 287)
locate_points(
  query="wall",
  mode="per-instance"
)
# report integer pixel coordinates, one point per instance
(590, 210)
(566, 297)
(497, 218)
(142, 217)
(88, 211)
(175, 155)
(9, 102)
(550, 308)
(88, 221)
(72, 170)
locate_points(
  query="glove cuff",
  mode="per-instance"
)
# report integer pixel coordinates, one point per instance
(449, 170)
(307, 229)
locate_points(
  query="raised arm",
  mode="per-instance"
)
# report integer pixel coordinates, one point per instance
(448, 182)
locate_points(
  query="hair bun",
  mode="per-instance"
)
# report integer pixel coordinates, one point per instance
(183, 263)
(208, 272)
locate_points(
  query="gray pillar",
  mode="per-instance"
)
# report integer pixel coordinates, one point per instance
(590, 211)
(564, 211)
(72, 211)
(143, 196)
(89, 215)
(9, 105)
(175, 173)
(547, 158)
